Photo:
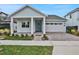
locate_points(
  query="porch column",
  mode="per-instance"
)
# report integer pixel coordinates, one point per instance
(32, 25)
(11, 26)
(78, 28)
(44, 32)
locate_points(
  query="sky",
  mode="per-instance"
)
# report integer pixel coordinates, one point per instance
(48, 9)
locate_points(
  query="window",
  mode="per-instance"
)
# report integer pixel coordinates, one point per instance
(47, 23)
(53, 23)
(24, 24)
(60, 23)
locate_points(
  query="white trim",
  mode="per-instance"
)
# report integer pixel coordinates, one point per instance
(44, 25)
(78, 28)
(31, 25)
(27, 16)
(11, 25)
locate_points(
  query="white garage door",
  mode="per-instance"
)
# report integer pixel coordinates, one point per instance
(55, 27)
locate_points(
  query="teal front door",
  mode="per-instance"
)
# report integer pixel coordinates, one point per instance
(38, 25)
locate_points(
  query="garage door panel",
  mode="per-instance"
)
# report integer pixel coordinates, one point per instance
(55, 28)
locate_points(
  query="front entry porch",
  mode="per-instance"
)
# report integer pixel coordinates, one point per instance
(36, 25)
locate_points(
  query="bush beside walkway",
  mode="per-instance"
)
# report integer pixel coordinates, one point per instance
(8, 37)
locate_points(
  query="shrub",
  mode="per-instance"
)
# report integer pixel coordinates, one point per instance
(4, 31)
(1, 31)
(8, 34)
(77, 33)
(7, 31)
(26, 35)
(17, 37)
(73, 31)
(44, 37)
(32, 36)
(22, 35)
(12, 34)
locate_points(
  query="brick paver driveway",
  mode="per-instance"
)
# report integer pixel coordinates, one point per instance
(62, 37)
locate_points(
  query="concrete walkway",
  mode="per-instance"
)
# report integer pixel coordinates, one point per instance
(58, 37)
(66, 48)
(62, 37)
(24, 42)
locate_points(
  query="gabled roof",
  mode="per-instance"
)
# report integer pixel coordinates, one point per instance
(77, 9)
(26, 7)
(55, 17)
(3, 13)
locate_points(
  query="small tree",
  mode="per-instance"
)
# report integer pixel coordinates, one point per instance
(32, 36)
(44, 37)
(26, 35)
(22, 35)
(12, 34)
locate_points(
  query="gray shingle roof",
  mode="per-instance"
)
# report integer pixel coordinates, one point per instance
(55, 17)
(3, 13)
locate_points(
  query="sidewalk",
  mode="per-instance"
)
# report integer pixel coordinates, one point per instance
(25, 42)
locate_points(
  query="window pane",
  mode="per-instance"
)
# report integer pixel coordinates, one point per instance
(60, 23)
(27, 25)
(47, 23)
(51, 23)
(23, 24)
(55, 23)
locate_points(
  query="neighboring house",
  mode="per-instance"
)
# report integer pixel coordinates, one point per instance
(29, 20)
(73, 19)
(3, 20)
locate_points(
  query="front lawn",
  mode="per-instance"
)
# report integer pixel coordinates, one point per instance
(25, 50)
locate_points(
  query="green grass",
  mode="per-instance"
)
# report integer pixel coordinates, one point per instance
(25, 50)
(7, 37)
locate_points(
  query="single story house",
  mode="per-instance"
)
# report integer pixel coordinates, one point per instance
(29, 20)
